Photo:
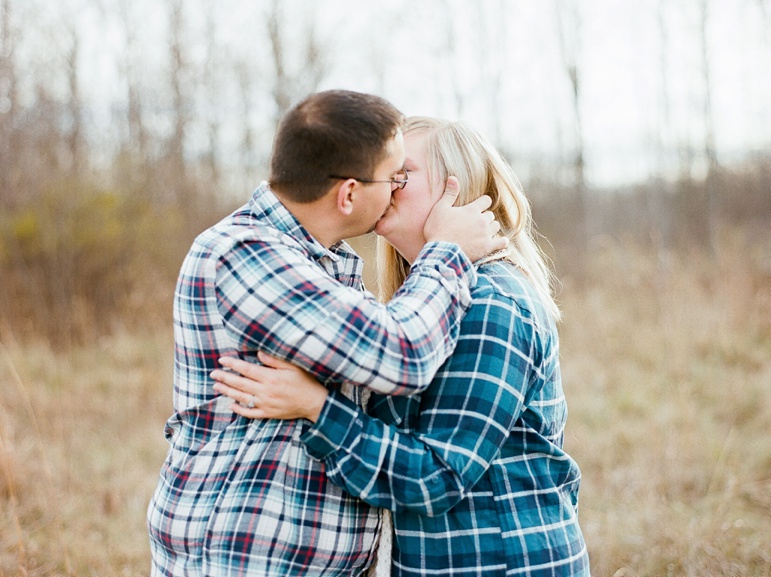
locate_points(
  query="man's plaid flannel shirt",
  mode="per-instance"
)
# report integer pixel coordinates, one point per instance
(241, 497)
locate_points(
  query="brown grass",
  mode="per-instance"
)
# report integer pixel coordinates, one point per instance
(81, 444)
(667, 368)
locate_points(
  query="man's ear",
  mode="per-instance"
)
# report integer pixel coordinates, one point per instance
(345, 196)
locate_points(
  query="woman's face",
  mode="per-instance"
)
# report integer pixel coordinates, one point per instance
(402, 225)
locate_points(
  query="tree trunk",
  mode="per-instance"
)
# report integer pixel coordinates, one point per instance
(569, 31)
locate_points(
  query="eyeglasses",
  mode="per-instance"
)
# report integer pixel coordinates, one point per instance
(397, 181)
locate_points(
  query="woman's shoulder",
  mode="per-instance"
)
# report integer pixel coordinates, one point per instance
(504, 282)
(505, 279)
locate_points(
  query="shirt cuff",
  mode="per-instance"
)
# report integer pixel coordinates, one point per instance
(450, 261)
(338, 420)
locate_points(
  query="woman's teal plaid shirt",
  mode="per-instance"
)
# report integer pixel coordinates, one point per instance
(473, 468)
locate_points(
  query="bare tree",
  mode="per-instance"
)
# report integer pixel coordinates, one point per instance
(711, 185)
(491, 29)
(281, 89)
(74, 105)
(248, 139)
(290, 84)
(449, 50)
(569, 32)
(178, 85)
(212, 88)
(657, 216)
(9, 102)
(137, 133)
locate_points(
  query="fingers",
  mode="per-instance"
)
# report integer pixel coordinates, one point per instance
(256, 413)
(500, 243)
(242, 384)
(247, 369)
(246, 405)
(247, 400)
(451, 190)
(273, 362)
(251, 369)
(493, 228)
(482, 203)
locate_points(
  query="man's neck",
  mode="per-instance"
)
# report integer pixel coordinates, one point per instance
(315, 217)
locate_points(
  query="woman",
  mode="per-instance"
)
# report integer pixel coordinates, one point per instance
(473, 469)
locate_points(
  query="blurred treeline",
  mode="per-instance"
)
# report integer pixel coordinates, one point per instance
(94, 226)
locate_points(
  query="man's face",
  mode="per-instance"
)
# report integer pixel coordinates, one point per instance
(378, 194)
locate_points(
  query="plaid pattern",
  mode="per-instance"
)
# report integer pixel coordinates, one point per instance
(473, 468)
(238, 496)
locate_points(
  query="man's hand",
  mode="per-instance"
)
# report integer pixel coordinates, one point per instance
(472, 227)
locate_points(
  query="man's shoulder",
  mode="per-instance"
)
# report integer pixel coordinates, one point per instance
(240, 229)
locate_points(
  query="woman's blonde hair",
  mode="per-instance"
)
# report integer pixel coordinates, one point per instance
(455, 149)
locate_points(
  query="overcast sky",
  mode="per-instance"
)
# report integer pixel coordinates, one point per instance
(496, 64)
(637, 87)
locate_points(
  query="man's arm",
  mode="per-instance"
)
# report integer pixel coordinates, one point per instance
(465, 418)
(272, 298)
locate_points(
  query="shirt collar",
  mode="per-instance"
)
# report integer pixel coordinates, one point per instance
(265, 206)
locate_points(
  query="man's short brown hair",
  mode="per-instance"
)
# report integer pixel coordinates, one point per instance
(332, 132)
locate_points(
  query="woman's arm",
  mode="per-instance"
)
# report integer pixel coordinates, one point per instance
(274, 390)
(415, 479)
(464, 419)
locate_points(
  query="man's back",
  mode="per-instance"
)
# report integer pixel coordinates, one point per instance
(238, 496)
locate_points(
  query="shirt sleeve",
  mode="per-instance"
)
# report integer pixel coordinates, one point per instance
(464, 419)
(273, 298)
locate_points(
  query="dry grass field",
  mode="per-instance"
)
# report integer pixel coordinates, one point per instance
(667, 368)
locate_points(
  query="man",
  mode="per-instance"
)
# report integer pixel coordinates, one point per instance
(236, 496)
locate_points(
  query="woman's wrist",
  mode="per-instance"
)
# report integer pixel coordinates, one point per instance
(316, 403)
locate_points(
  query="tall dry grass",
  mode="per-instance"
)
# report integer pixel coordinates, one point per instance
(81, 441)
(667, 368)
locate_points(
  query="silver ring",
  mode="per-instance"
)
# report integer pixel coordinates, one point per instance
(251, 404)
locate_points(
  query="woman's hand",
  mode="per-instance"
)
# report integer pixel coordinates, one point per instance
(276, 390)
